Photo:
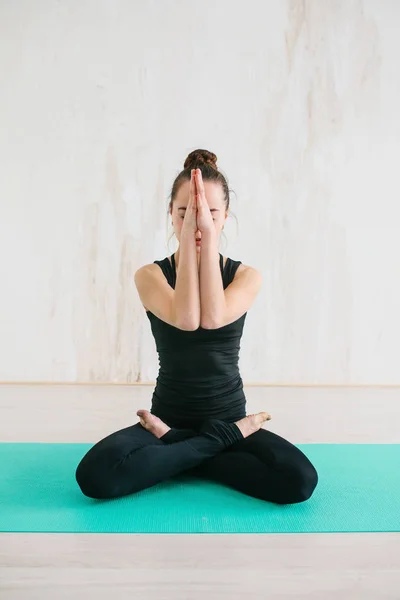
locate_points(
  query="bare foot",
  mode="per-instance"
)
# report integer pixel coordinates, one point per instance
(252, 423)
(152, 423)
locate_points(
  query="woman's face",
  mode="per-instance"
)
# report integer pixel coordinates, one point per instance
(216, 204)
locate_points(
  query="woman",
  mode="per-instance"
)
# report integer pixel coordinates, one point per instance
(197, 301)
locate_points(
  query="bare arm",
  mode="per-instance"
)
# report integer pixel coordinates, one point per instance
(187, 288)
(213, 305)
(179, 307)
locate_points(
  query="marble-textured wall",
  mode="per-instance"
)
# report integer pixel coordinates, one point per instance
(100, 103)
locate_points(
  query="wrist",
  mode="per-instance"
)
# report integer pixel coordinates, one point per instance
(209, 236)
(188, 234)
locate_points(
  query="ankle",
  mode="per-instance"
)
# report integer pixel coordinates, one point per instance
(161, 431)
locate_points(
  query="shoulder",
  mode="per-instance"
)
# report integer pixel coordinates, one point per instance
(150, 267)
(249, 271)
(142, 271)
(147, 275)
(150, 270)
(246, 279)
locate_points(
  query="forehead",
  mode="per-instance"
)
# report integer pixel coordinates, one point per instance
(213, 191)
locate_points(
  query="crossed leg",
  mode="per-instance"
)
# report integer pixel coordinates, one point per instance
(263, 465)
(133, 459)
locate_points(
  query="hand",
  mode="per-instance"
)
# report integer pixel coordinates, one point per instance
(190, 219)
(204, 217)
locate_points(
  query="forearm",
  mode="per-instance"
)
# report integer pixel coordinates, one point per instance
(212, 296)
(187, 292)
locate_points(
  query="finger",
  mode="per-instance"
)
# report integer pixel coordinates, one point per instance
(193, 200)
(191, 187)
(199, 183)
(192, 190)
(200, 194)
(196, 192)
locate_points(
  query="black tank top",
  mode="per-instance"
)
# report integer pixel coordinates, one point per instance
(198, 373)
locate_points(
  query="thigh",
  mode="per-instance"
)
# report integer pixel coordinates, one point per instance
(267, 447)
(272, 450)
(263, 465)
(121, 442)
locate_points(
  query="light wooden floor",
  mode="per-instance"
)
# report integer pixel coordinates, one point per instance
(189, 567)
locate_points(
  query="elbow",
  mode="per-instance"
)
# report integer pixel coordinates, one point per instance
(208, 325)
(189, 326)
(187, 320)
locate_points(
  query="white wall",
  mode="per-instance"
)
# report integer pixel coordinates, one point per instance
(100, 103)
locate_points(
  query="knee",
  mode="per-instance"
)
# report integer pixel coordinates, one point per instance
(308, 481)
(84, 480)
(299, 486)
(92, 483)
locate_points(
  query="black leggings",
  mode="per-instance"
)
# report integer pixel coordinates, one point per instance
(263, 465)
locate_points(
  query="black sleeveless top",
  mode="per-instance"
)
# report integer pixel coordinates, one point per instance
(198, 373)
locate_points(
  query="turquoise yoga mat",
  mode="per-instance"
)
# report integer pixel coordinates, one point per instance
(358, 490)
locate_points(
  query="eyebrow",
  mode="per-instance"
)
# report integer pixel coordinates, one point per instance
(184, 208)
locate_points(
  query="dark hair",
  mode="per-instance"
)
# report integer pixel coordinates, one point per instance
(207, 162)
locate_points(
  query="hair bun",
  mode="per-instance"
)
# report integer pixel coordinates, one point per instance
(200, 157)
